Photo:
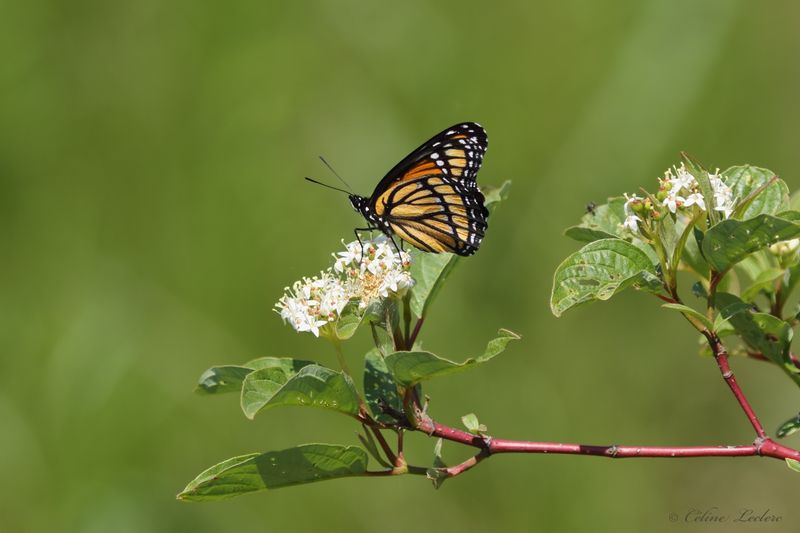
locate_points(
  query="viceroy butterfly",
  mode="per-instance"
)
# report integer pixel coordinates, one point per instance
(431, 199)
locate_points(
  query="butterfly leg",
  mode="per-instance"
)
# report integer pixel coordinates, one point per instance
(391, 237)
(358, 238)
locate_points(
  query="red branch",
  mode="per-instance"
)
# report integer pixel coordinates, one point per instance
(762, 446)
(727, 374)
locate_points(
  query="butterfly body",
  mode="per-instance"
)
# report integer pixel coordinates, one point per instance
(431, 198)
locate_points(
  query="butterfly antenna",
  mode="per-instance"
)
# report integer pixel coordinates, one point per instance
(328, 186)
(335, 173)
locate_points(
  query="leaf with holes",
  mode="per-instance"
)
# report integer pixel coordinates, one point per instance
(600, 270)
(730, 241)
(312, 386)
(379, 386)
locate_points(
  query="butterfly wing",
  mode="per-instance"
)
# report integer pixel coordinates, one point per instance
(431, 199)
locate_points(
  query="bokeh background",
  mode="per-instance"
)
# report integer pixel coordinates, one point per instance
(152, 209)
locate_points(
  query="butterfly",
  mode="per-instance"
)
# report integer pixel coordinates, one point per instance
(431, 199)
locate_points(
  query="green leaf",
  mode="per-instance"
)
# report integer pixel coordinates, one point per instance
(763, 332)
(349, 320)
(791, 280)
(602, 223)
(379, 386)
(686, 228)
(219, 379)
(722, 320)
(793, 464)
(312, 386)
(686, 310)
(472, 424)
(765, 280)
(229, 378)
(410, 368)
(495, 195)
(598, 271)
(430, 271)
(437, 474)
(273, 470)
(791, 215)
(693, 256)
(730, 241)
(753, 265)
(745, 180)
(790, 426)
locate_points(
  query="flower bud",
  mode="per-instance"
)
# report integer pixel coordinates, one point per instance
(784, 248)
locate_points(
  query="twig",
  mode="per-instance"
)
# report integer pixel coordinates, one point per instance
(384, 445)
(721, 357)
(488, 446)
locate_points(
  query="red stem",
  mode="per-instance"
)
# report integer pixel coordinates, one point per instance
(765, 447)
(385, 446)
(727, 374)
(762, 446)
(492, 446)
(411, 339)
(621, 452)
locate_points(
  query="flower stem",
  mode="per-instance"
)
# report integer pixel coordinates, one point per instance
(337, 345)
(407, 319)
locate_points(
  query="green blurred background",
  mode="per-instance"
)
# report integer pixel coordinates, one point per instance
(152, 209)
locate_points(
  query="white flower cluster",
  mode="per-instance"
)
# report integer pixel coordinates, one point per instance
(679, 189)
(684, 191)
(311, 303)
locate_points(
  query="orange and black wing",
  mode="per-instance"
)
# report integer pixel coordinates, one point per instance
(457, 151)
(437, 213)
(431, 199)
